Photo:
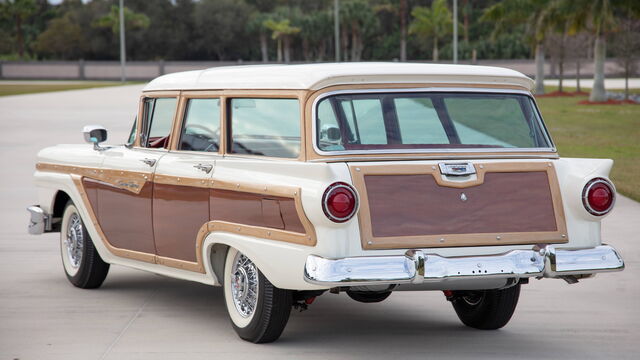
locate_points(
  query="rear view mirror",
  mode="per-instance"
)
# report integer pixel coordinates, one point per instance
(95, 134)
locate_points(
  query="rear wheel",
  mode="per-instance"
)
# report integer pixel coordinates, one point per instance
(486, 309)
(258, 310)
(82, 264)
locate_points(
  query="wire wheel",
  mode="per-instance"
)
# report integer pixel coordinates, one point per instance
(244, 285)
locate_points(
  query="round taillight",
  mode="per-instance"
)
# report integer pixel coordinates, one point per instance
(340, 202)
(598, 196)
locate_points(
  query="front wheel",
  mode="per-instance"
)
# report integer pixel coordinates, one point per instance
(258, 310)
(82, 264)
(486, 309)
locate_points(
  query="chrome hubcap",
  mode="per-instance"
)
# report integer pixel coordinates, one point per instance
(244, 285)
(74, 241)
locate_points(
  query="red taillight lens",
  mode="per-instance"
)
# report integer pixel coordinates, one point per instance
(598, 196)
(339, 202)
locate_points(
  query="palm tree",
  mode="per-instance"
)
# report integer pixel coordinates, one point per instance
(434, 23)
(282, 32)
(256, 24)
(535, 15)
(19, 11)
(598, 16)
(358, 20)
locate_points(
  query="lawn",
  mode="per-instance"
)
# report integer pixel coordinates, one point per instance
(598, 131)
(38, 87)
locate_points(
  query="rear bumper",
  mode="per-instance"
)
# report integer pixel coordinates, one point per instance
(416, 267)
(40, 221)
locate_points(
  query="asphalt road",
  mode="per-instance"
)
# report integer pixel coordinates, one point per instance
(137, 315)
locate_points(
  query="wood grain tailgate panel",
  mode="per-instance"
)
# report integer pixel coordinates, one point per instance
(413, 205)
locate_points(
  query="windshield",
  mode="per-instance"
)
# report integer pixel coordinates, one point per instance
(428, 121)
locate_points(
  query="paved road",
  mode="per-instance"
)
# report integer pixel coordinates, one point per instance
(137, 315)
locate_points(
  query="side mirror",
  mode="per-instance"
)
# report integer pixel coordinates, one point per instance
(95, 134)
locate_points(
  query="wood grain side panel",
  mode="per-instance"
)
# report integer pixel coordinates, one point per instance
(178, 214)
(412, 205)
(255, 210)
(543, 232)
(125, 217)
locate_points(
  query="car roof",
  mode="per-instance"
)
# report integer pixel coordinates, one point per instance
(318, 76)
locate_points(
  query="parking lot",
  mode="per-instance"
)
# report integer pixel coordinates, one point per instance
(138, 315)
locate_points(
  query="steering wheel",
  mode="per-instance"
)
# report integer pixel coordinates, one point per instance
(214, 134)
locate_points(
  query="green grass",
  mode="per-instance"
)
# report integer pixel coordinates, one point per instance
(598, 131)
(26, 88)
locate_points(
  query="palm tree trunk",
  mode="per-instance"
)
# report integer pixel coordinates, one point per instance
(597, 92)
(280, 49)
(19, 36)
(435, 49)
(287, 49)
(539, 69)
(403, 30)
(263, 47)
(354, 42)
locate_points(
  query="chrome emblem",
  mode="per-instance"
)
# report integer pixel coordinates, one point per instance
(463, 197)
(457, 169)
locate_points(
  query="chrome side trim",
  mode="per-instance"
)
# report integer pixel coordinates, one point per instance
(40, 222)
(415, 267)
(427, 151)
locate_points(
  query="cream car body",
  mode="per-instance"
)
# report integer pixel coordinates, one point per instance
(321, 254)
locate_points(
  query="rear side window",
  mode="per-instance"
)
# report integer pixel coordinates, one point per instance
(201, 131)
(269, 127)
(159, 113)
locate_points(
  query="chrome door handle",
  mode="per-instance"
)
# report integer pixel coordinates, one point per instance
(204, 167)
(149, 162)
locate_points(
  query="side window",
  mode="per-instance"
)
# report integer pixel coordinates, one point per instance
(269, 127)
(201, 129)
(159, 113)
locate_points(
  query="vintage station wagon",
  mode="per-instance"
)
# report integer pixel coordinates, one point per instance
(280, 183)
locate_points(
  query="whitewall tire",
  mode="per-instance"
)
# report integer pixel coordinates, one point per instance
(81, 262)
(258, 310)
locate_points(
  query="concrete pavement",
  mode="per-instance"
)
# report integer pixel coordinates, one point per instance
(137, 315)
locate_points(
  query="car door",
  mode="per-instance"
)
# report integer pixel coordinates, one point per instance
(125, 195)
(181, 183)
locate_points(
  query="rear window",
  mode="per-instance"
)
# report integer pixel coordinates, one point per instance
(428, 121)
(269, 127)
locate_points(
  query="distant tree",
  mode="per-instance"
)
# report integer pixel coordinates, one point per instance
(132, 20)
(256, 25)
(357, 22)
(431, 23)
(63, 39)
(626, 47)
(599, 18)
(18, 11)
(220, 26)
(506, 14)
(316, 31)
(282, 31)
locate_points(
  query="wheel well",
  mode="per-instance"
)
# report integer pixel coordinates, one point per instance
(60, 201)
(218, 256)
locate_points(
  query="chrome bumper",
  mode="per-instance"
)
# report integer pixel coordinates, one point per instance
(40, 221)
(416, 267)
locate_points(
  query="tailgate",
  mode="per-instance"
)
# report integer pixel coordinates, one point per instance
(457, 203)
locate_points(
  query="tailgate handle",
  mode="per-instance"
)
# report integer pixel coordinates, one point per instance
(457, 169)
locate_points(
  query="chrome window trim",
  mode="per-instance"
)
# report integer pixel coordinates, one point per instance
(428, 151)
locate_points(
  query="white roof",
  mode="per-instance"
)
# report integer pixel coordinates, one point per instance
(318, 76)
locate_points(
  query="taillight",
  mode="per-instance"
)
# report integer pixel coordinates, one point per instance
(598, 196)
(340, 202)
